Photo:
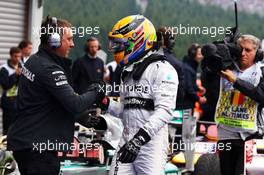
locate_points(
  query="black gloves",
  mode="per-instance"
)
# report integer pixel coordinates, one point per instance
(89, 120)
(101, 100)
(128, 153)
(100, 88)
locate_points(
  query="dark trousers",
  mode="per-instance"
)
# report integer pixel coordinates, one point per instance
(35, 163)
(9, 113)
(232, 161)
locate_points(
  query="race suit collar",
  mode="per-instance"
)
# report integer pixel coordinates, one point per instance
(131, 67)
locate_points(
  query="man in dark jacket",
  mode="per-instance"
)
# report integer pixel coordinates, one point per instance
(88, 68)
(191, 62)
(167, 42)
(9, 76)
(47, 103)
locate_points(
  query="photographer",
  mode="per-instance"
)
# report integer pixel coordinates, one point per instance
(239, 107)
(47, 103)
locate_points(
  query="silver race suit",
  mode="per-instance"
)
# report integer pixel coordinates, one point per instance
(146, 103)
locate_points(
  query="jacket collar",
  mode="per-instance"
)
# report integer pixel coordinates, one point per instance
(62, 61)
(90, 56)
(10, 64)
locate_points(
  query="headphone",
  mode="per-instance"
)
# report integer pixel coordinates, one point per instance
(193, 49)
(259, 55)
(170, 40)
(166, 38)
(51, 34)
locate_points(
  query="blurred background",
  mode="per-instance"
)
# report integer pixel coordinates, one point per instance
(203, 13)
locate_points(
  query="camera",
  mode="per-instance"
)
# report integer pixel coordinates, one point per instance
(221, 55)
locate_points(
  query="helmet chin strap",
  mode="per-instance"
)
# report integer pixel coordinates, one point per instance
(125, 60)
(138, 58)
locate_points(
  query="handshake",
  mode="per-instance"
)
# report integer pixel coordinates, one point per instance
(90, 118)
(101, 101)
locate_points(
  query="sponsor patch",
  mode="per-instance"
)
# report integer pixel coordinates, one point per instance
(60, 77)
(61, 83)
(57, 72)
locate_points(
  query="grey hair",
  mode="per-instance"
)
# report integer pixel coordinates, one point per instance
(253, 39)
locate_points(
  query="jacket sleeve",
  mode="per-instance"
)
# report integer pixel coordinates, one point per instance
(55, 81)
(181, 91)
(191, 89)
(7, 81)
(164, 94)
(255, 93)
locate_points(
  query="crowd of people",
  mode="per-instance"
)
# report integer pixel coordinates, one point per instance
(9, 76)
(44, 94)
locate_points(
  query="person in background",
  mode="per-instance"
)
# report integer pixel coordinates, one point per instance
(101, 54)
(9, 76)
(191, 62)
(167, 42)
(88, 68)
(190, 66)
(26, 48)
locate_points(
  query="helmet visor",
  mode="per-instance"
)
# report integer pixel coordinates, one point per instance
(117, 44)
